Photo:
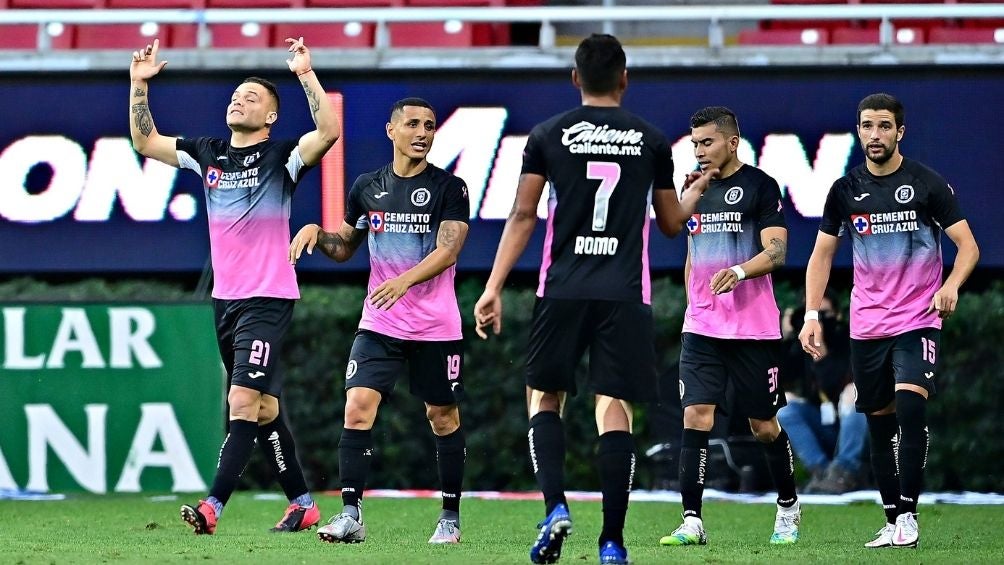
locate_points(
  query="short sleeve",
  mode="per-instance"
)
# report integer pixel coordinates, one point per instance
(944, 206)
(662, 177)
(458, 205)
(355, 214)
(534, 159)
(769, 207)
(832, 219)
(191, 152)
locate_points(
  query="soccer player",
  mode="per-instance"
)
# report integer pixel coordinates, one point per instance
(249, 180)
(606, 168)
(414, 216)
(732, 329)
(894, 209)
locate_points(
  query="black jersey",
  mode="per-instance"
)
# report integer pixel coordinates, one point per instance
(403, 217)
(602, 164)
(248, 198)
(895, 222)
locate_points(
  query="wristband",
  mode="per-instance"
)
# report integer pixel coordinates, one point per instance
(740, 273)
(304, 72)
(811, 315)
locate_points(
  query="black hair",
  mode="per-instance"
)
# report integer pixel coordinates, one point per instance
(269, 86)
(600, 63)
(724, 119)
(883, 101)
(411, 101)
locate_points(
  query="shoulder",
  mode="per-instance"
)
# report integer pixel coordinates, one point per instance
(368, 178)
(444, 178)
(922, 171)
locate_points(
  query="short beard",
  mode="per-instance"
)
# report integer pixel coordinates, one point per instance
(883, 158)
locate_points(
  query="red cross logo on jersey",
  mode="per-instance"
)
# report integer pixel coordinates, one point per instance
(694, 224)
(861, 224)
(213, 177)
(376, 221)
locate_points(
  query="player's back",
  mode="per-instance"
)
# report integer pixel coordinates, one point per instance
(601, 163)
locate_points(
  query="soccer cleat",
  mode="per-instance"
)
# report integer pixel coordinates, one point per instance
(298, 518)
(883, 537)
(202, 518)
(553, 531)
(613, 553)
(447, 531)
(786, 525)
(691, 532)
(907, 533)
(342, 528)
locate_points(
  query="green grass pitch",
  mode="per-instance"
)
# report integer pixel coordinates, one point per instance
(134, 529)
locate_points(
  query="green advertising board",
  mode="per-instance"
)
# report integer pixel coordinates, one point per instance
(109, 397)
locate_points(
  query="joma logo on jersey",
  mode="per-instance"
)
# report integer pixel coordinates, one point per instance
(376, 221)
(213, 176)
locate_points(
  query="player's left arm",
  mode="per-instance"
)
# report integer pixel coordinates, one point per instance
(313, 145)
(449, 241)
(947, 297)
(774, 241)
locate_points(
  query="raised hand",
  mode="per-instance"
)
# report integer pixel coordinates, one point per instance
(144, 62)
(300, 63)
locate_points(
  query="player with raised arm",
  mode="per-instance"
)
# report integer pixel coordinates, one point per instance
(249, 181)
(895, 210)
(415, 216)
(732, 326)
(606, 168)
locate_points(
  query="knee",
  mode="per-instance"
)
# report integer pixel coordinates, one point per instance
(360, 411)
(699, 417)
(268, 411)
(245, 403)
(444, 419)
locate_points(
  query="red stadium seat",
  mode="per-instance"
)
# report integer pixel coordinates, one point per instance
(336, 34)
(47, 4)
(965, 35)
(805, 24)
(353, 3)
(810, 1)
(431, 34)
(482, 33)
(806, 37)
(254, 3)
(156, 4)
(117, 36)
(453, 3)
(904, 2)
(183, 36)
(870, 36)
(250, 35)
(19, 36)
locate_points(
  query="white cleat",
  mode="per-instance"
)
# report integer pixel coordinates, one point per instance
(883, 537)
(907, 532)
(447, 531)
(786, 523)
(342, 528)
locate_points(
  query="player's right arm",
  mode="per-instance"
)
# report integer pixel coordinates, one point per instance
(145, 138)
(817, 274)
(340, 245)
(672, 213)
(515, 237)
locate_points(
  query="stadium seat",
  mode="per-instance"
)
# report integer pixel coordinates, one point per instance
(53, 4)
(19, 36)
(254, 3)
(870, 36)
(965, 35)
(335, 34)
(117, 36)
(805, 24)
(481, 33)
(798, 2)
(249, 35)
(353, 3)
(156, 4)
(807, 37)
(431, 34)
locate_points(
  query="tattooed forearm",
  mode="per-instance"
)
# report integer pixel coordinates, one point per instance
(332, 244)
(313, 100)
(776, 252)
(139, 92)
(142, 119)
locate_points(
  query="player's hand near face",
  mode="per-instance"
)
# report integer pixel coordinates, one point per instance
(144, 64)
(811, 338)
(300, 62)
(488, 312)
(306, 238)
(945, 301)
(389, 292)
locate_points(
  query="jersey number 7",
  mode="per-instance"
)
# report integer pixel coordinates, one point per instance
(609, 174)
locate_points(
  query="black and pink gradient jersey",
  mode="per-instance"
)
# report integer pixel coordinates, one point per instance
(402, 215)
(895, 222)
(248, 196)
(602, 164)
(725, 231)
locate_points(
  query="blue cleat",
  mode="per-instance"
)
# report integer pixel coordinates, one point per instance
(553, 531)
(613, 553)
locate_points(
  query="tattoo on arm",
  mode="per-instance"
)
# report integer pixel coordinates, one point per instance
(138, 92)
(332, 244)
(313, 100)
(447, 236)
(776, 251)
(142, 118)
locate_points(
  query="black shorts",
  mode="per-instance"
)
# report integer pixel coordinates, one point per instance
(618, 335)
(434, 368)
(878, 365)
(750, 366)
(250, 333)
